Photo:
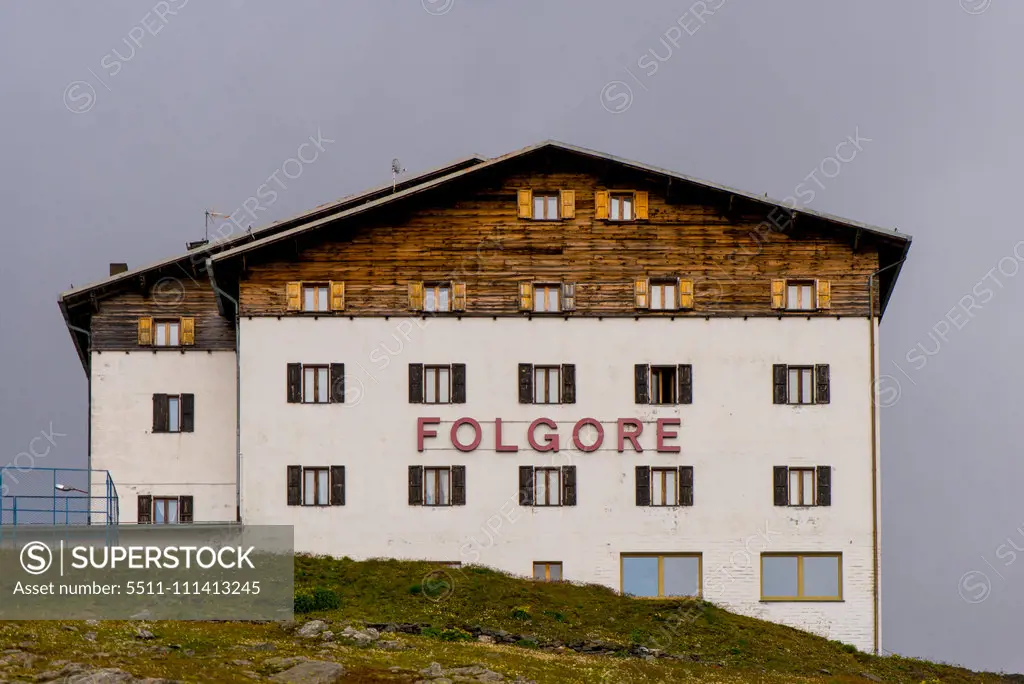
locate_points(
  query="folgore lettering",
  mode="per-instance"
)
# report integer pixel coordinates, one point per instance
(543, 434)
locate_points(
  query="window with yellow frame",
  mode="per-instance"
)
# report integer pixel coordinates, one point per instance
(661, 575)
(801, 577)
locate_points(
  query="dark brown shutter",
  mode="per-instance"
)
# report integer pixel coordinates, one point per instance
(824, 485)
(526, 383)
(780, 375)
(525, 485)
(337, 485)
(643, 486)
(685, 485)
(294, 383)
(415, 383)
(459, 485)
(145, 515)
(188, 413)
(294, 485)
(568, 383)
(458, 383)
(569, 485)
(415, 485)
(161, 413)
(185, 509)
(641, 383)
(781, 485)
(338, 383)
(821, 384)
(685, 383)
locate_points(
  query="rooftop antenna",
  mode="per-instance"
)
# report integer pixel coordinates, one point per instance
(396, 168)
(209, 215)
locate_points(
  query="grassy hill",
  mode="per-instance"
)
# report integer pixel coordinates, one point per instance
(557, 632)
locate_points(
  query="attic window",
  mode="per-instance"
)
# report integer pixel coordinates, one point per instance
(621, 207)
(168, 333)
(545, 207)
(314, 298)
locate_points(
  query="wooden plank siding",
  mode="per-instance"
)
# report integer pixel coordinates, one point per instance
(115, 325)
(475, 237)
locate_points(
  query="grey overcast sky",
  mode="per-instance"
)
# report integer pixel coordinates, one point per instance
(119, 127)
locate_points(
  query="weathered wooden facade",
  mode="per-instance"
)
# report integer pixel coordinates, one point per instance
(336, 367)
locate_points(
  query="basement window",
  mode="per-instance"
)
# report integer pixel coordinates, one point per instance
(802, 577)
(165, 511)
(661, 575)
(547, 571)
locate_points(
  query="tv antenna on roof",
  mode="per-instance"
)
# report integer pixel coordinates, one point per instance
(396, 168)
(209, 215)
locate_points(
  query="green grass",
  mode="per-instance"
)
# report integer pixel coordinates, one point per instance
(717, 646)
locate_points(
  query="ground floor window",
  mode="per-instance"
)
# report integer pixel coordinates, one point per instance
(547, 571)
(801, 577)
(661, 575)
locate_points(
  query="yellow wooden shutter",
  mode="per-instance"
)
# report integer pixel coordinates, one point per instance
(778, 294)
(293, 292)
(525, 296)
(568, 204)
(459, 297)
(601, 204)
(526, 204)
(188, 330)
(337, 295)
(641, 290)
(146, 330)
(416, 296)
(640, 197)
(685, 293)
(824, 294)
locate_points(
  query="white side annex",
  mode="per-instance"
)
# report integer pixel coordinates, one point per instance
(732, 434)
(201, 464)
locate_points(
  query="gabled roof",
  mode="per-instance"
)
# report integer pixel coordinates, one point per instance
(899, 242)
(86, 294)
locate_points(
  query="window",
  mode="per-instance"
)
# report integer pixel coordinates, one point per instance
(545, 207)
(800, 295)
(663, 384)
(547, 385)
(173, 413)
(547, 298)
(801, 577)
(547, 487)
(547, 571)
(316, 487)
(621, 207)
(437, 487)
(661, 575)
(437, 297)
(168, 333)
(664, 487)
(165, 511)
(315, 298)
(801, 385)
(437, 385)
(664, 295)
(315, 385)
(801, 487)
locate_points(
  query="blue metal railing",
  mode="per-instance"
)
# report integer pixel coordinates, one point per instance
(57, 496)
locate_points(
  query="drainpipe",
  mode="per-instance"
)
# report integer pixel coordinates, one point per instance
(874, 457)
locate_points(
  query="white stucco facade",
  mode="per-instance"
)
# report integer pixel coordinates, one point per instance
(201, 464)
(732, 434)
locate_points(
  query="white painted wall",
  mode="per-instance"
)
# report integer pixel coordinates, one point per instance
(732, 434)
(200, 463)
